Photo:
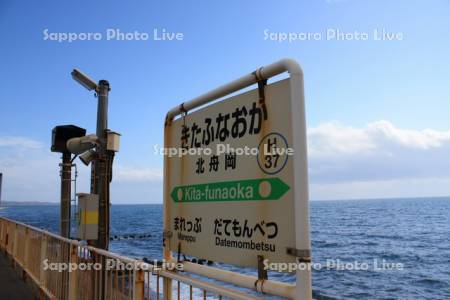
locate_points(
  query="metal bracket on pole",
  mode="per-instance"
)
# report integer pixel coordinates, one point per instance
(184, 113)
(262, 275)
(262, 83)
(303, 255)
(262, 272)
(183, 109)
(167, 234)
(179, 253)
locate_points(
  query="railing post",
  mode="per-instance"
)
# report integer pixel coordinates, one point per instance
(1, 233)
(16, 239)
(167, 288)
(26, 254)
(73, 282)
(139, 285)
(42, 273)
(7, 237)
(4, 234)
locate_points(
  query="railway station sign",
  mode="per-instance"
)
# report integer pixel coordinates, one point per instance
(229, 179)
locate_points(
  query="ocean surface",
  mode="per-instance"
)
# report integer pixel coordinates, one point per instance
(362, 249)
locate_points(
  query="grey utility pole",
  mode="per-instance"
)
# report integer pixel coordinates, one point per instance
(66, 193)
(101, 166)
(60, 135)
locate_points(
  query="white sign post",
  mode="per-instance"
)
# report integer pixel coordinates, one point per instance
(235, 175)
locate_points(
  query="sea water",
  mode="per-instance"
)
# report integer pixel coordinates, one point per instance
(362, 249)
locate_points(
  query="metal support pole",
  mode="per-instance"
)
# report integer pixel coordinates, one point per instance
(101, 180)
(102, 108)
(66, 182)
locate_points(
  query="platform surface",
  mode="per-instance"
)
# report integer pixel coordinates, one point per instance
(11, 285)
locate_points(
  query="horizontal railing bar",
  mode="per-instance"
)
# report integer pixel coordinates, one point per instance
(12, 227)
(242, 280)
(266, 72)
(69, 241)
(207, 286)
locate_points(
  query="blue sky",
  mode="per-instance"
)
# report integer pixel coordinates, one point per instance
(377, 110)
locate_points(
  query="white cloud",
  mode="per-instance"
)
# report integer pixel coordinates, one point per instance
(330, 139)
(137, 174)
(335, 139)
(20, 142)
(378, 158)
(376, 189)
(418, 139)
(31, 171)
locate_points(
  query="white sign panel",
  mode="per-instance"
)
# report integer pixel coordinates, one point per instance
(229, 182)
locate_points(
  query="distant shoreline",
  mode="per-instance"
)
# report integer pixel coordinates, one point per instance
(25, 203)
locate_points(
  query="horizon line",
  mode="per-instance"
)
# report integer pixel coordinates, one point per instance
(314, 200)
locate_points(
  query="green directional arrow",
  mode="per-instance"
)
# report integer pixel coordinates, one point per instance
(240, 190)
